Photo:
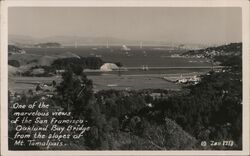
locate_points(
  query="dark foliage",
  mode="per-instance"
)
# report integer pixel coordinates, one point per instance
(14, 63)
(83, 62)
(74, 64)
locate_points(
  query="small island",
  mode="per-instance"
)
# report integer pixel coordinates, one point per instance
(48, 45)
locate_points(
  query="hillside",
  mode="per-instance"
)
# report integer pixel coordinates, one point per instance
(14, 49)
(211, 52)
(26, 62)
(35, 59)
(12, 70)
(168, 136)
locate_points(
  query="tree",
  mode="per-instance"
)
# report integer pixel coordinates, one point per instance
(30, 91)
(38, 87)
(65, 90)
(53, 83)
(77, 69)
(14, 63)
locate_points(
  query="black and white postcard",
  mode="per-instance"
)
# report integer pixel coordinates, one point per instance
(124, 78)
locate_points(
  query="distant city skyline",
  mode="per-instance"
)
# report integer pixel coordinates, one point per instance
(161, 24)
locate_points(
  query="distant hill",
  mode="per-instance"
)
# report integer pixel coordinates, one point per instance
(15, 49)
(35, 59)
(48, 45)
(223, 50)
(27, 41)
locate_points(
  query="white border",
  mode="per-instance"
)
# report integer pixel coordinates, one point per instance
(244, 4)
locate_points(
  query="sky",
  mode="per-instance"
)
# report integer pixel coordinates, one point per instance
(167, 24)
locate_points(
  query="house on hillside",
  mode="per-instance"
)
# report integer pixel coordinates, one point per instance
(58, 72)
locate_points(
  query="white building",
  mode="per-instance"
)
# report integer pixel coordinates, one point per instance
(125, 48)
(108, 67)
